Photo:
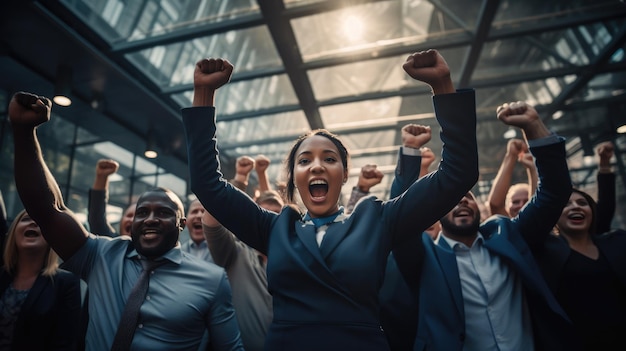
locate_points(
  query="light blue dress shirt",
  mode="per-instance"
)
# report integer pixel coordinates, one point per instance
(496, 316)
(198, 250)
(186, 297)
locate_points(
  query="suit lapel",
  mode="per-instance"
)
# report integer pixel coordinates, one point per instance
(306, 233)
(33, 296)
(525, 267)
(334, 235)
(35, 291)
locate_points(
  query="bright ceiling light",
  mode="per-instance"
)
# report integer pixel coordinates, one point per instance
(150, 151)
(63, 86)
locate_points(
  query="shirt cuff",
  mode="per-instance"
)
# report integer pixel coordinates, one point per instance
(409, 151)
(549, 140)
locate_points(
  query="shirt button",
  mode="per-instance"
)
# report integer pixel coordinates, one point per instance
(151, 272)
(140, 326)
(148, 297)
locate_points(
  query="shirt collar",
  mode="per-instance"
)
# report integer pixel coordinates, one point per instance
(174, 254)
(321, 221)
(459, 245)
(202, 245)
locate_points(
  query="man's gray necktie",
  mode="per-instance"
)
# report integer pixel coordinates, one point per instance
(130, 315)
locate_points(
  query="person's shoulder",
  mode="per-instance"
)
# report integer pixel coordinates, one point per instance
(615, 235)
(366, 202)
(67, 277)
(495, 223)
(189, 261)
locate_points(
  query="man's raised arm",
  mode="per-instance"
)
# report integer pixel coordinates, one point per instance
(38, 190)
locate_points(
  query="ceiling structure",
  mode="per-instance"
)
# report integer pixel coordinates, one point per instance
(323, 64)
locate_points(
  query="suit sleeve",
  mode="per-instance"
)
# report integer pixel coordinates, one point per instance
(68, 324)
(427, 199)
(222, 245)
(223, 200)
(96, 217)
(538, 217)
(605, 209)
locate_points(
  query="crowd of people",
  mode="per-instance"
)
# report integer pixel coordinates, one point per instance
(422, 270)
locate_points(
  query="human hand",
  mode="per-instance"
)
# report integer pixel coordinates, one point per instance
(28, 109)
(415, 136)
(527, 160)
(261, 163)
(244, 165)
(212, 73)
(431, 68)
(516, 149)
(605, 151)
(369, 177)
(524, 116)
(106, 167)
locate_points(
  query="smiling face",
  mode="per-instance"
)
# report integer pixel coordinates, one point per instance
(463, 220)
(516, 198)
(194, 221)
(577, 216)
(28, 236)
(157, 224)
(319, 174)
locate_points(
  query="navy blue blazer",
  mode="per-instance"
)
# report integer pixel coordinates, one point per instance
(326, 297)
(51, 316)
(430, 267)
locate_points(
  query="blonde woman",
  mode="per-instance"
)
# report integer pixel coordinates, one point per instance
(40, 304)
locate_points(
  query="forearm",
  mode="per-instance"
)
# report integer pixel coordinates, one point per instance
(605, 208)
(41, 196)
(433, 196)
(96, 216)
(533, 180)
(264, 183)
(221, 243)
(203, 96)
(500, 186)
(101, 183)
(231, 207)
(554, 188)
(355, 196)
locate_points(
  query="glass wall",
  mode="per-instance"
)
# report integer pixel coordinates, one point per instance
(71, 153)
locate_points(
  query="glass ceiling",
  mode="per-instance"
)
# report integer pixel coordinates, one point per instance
(336, 64)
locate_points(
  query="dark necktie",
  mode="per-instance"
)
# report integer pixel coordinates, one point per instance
(130, 315)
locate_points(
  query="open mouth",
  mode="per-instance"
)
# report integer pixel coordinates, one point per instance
(576, 217)
(318, 189)
(31, 234)
(462, 213)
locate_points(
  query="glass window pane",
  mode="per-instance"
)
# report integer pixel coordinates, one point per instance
(119, 21)
(173, 64)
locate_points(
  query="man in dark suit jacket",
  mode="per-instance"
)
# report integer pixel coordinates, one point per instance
(478, 286)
